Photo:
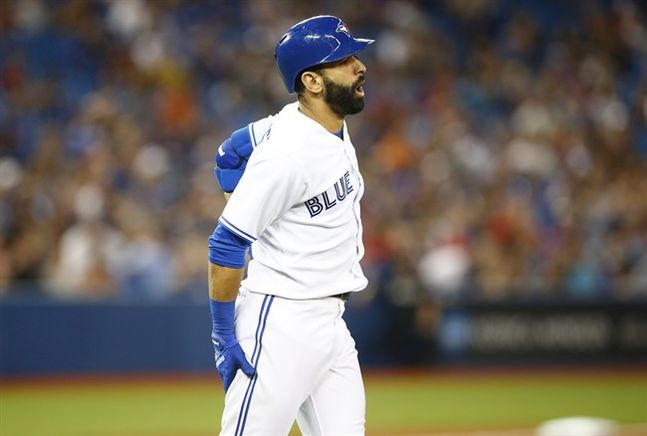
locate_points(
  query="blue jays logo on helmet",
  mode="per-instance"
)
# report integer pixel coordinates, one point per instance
(312, 42)
(342, 28)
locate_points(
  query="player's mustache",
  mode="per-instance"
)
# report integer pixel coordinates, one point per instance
(357, 83)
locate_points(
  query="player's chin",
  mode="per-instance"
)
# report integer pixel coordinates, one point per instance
(345, 101)
(357, 106)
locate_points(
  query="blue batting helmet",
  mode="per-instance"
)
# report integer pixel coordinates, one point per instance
(317, 40)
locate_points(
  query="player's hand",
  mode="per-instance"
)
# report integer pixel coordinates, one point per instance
(229, 358)
(232, 157)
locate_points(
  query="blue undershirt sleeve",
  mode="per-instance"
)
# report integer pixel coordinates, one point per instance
(226, 248)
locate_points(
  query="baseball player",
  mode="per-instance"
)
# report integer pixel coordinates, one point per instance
(283, 350)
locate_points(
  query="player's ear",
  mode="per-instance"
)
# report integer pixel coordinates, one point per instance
(312, 81)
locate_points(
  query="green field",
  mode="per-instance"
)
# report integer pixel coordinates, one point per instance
(396, 404)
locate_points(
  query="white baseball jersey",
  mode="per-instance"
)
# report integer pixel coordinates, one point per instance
(298, 203)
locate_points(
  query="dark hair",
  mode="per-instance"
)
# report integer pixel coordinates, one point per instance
(299, 87)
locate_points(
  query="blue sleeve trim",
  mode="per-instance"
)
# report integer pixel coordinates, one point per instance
(232, 228)
(226, 248)
(252, 135)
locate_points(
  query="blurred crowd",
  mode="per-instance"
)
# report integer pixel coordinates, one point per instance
(503, 143)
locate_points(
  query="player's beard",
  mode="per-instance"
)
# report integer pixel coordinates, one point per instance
(341, 99)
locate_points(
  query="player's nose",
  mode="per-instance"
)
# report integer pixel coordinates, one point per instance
(360, 68)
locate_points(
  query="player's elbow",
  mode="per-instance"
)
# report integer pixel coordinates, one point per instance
(227, 249)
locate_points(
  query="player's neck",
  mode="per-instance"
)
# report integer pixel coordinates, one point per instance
(321, 113)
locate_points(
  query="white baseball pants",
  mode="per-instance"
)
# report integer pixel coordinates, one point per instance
(306, 369)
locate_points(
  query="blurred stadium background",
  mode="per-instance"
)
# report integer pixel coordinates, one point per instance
(504, 148)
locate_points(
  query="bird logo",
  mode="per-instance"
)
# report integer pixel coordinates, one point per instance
(343, 28)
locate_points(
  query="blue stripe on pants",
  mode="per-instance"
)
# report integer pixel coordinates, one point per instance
(258, 346)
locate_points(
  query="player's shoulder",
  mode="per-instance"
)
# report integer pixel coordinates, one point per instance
(294, 133)
(259, 130)
(270, 139)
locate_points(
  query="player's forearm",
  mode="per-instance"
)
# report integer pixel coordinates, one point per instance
(224, 282)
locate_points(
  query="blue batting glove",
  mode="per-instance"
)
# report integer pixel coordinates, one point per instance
(228, 353)
(228, 360)
(232, 157)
